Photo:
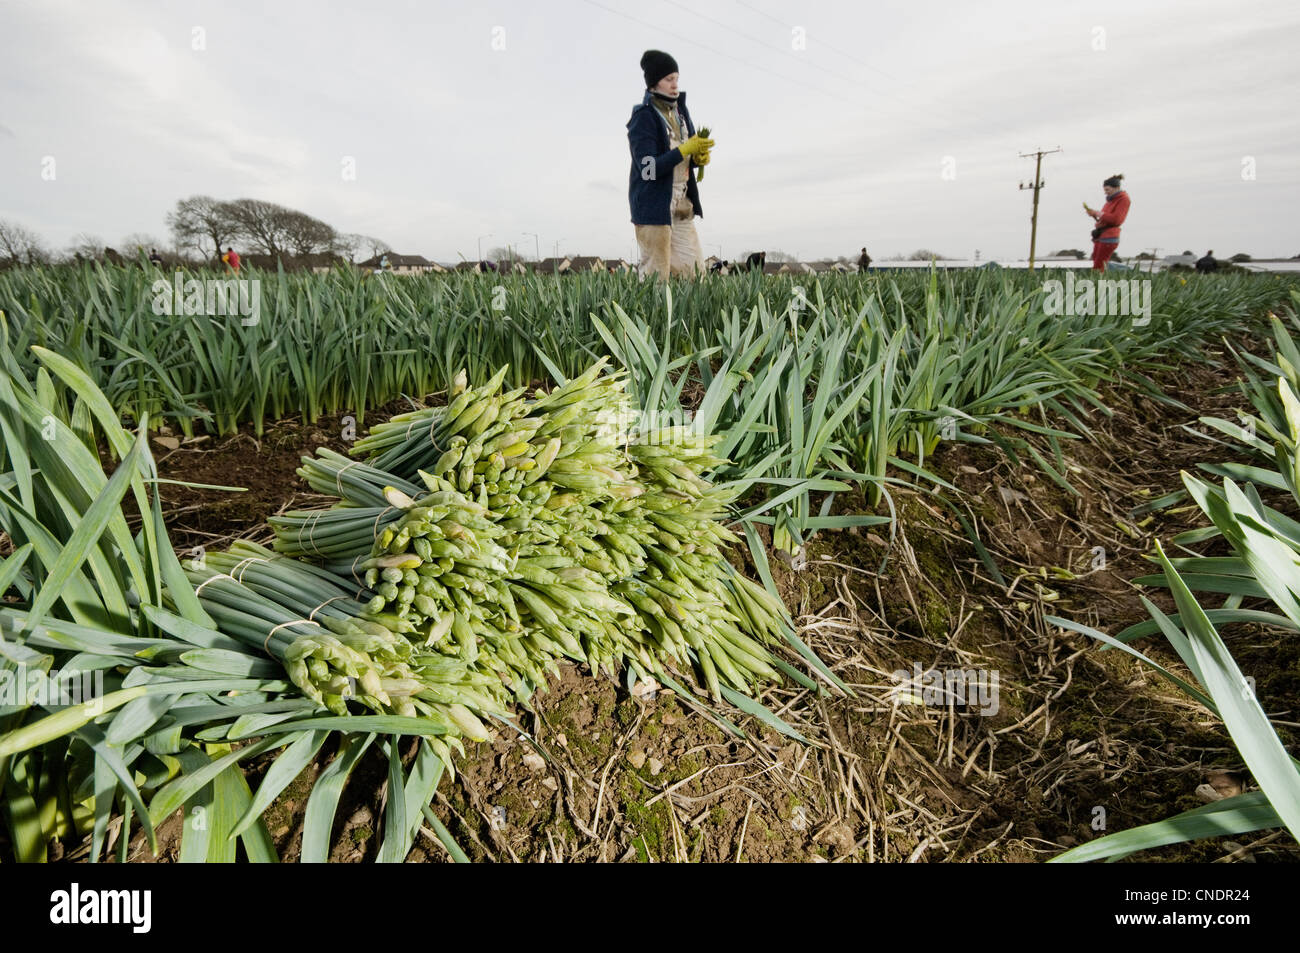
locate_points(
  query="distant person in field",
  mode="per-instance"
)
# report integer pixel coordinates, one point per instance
(154, 257)
(231, 260)
(1207, 264)
(662, 191)
(1105, 237)
(864, 261)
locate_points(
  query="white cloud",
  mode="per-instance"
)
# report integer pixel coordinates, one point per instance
(819, 150)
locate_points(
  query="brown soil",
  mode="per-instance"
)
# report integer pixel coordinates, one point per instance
(265, 467)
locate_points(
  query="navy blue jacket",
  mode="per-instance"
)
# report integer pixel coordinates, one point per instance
(650, 192)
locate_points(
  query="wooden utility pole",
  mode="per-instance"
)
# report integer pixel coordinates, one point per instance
(1035, 185)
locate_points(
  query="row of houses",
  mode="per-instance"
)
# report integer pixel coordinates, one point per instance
(418, 264)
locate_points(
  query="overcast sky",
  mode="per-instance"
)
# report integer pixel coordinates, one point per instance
(838, 124)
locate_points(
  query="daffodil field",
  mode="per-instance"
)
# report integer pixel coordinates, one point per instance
(556, 471)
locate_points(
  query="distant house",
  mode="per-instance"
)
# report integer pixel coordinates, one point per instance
(320, 263)
(1278, 266)
(776, 268)
(399, 264)
(619, 264)
(587, 263)
(553, 266)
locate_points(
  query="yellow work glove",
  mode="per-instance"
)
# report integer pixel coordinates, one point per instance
(694, 146)
(702, 158)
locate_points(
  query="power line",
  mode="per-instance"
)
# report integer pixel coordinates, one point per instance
(833, 49)
(765, 69)
(848, 56)
(771, 46)
(685, 39)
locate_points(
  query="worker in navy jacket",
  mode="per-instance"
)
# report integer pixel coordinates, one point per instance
(662, 191)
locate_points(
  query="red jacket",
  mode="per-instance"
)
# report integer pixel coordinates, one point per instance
(1112, 217)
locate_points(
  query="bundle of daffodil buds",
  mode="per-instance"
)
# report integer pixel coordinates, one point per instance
(477, 544)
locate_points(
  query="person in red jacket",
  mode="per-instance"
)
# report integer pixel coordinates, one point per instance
(231, 258)
(1105, 237)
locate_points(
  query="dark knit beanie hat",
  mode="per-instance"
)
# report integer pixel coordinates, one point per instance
(656, 64)
(1113, 181)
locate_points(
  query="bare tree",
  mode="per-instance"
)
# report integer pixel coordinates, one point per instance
(260, 224)
(358, 247)
(198, 220)
(304, 235)
(20, 245)
(277, 231)
(348, 244)
(135, 242)
(924, 254)
(85, 245)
